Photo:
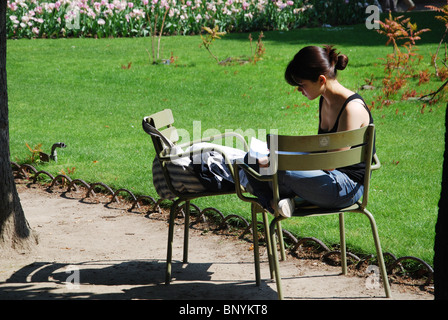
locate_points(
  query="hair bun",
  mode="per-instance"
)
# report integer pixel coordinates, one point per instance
(341, 62)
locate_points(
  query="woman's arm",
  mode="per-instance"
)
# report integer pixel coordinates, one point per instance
(354, 116)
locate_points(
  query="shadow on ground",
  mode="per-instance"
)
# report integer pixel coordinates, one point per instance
(139, 279)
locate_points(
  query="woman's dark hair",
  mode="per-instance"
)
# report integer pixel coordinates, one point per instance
(311, 62)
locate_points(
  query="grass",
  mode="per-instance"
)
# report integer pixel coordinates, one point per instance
(79, 92)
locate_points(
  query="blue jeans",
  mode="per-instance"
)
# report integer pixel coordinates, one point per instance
(326, 189)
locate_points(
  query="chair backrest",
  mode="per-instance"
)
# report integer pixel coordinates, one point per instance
(162, 121)
(163, 135)
(324, 151)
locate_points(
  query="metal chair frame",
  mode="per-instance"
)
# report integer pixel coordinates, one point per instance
(317, 152)
(163, 121)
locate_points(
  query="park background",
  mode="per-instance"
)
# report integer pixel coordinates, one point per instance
(90, 87)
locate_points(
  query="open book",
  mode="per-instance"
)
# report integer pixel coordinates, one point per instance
(258, 149)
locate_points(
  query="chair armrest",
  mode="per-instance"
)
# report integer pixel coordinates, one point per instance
(376, 163)
(252, 172)
(169, 156)
(216, 137)
(239, 165)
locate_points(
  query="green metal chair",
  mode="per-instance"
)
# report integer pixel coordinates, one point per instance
(160, 127)
(318, 152)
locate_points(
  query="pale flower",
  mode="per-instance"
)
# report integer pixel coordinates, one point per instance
(280, 5)
(101, 21)
(49, 7)
(14, 19)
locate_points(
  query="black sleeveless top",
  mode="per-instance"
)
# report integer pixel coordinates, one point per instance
(355, 172)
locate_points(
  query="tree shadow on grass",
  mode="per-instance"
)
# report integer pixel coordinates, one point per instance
(349, 35)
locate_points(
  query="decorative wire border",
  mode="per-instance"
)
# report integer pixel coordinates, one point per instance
(223, 221)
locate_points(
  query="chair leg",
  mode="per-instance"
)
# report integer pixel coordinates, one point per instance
(256, 246)
(267, 236)
(169, 253)
(379, 254)
(278, 278)
(186, 230)
(281, 241)
(343, 245)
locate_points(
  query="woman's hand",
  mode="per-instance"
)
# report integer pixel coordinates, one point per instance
(263, 162)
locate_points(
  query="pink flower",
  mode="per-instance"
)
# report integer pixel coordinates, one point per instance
(13, 6)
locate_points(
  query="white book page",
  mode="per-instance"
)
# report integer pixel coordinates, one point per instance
(258, 149)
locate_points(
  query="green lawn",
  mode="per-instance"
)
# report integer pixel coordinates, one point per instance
(77, 92)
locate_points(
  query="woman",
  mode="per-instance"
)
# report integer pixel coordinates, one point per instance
(313, 71)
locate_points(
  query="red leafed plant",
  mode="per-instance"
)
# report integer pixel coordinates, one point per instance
(399, 65)
(396, 29)
(444, 18)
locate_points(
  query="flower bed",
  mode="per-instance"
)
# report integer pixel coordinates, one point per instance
(117, 18)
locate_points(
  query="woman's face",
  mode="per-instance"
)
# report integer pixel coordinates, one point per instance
(311, 89)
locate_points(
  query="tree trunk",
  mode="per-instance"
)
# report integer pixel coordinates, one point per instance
(441, 240)
(14, 230)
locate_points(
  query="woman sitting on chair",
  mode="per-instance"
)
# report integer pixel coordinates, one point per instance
(313, 71)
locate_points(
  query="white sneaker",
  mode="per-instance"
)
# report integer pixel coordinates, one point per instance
(286, 207)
